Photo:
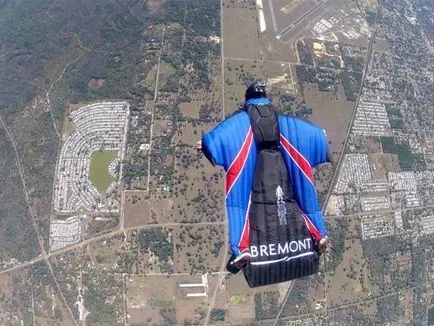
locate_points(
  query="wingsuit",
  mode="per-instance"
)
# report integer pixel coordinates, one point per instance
(276, 229)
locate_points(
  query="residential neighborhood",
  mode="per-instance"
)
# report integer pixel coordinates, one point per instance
(97, 127)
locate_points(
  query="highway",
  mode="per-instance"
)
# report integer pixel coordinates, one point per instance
(350, 126)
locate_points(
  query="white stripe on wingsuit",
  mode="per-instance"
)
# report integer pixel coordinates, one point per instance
(295, 148)
(282, 259)
(308, 221)
(242, 255)
(245, 221)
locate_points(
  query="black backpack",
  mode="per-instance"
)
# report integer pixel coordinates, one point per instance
(281, 246)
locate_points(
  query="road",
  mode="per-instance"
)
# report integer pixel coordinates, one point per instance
(101, 237)
(23, 181)
(124, 299)
(153, 110)
(122, 213)
(283, 303)
(383, 211)
(347, 137)
(287, 29)
(47, 93)
(353, 116)
(262, 61)
(273, 17)
(225, 249)
(33, 299)
(342, 306)
(372, 299)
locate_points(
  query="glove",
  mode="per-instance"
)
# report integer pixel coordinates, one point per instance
(323, 244)
(199, 146)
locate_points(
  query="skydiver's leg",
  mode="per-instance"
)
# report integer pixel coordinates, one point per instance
(231, 267)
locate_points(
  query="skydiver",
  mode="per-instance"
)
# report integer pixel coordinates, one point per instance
(258, 149)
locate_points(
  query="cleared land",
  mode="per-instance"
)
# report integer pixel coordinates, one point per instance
(165, 71)
(147, 296)
(241, 31)
(162, 300)
(136, 208)
(331, 111)
(191, 109)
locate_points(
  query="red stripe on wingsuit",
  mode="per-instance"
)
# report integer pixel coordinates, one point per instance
(237, 165)
(245, 238)
(244, 242)
(312, 229)
(299, 159)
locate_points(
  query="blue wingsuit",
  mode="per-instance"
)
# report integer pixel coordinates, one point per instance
(231, 145)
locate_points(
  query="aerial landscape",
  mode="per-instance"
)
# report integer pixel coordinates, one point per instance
(109, 215)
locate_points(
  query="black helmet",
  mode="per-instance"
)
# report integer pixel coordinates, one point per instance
(256, 90)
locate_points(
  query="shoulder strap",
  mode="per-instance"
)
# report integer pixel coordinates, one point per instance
(265, 126)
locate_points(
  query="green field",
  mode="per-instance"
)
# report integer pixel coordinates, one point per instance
(99, 174)
(237, 299)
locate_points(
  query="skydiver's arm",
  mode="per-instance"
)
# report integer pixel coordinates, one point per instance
(319, 149)
(208, 155)
(211, 147)
(205, 151)
(221, 146)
